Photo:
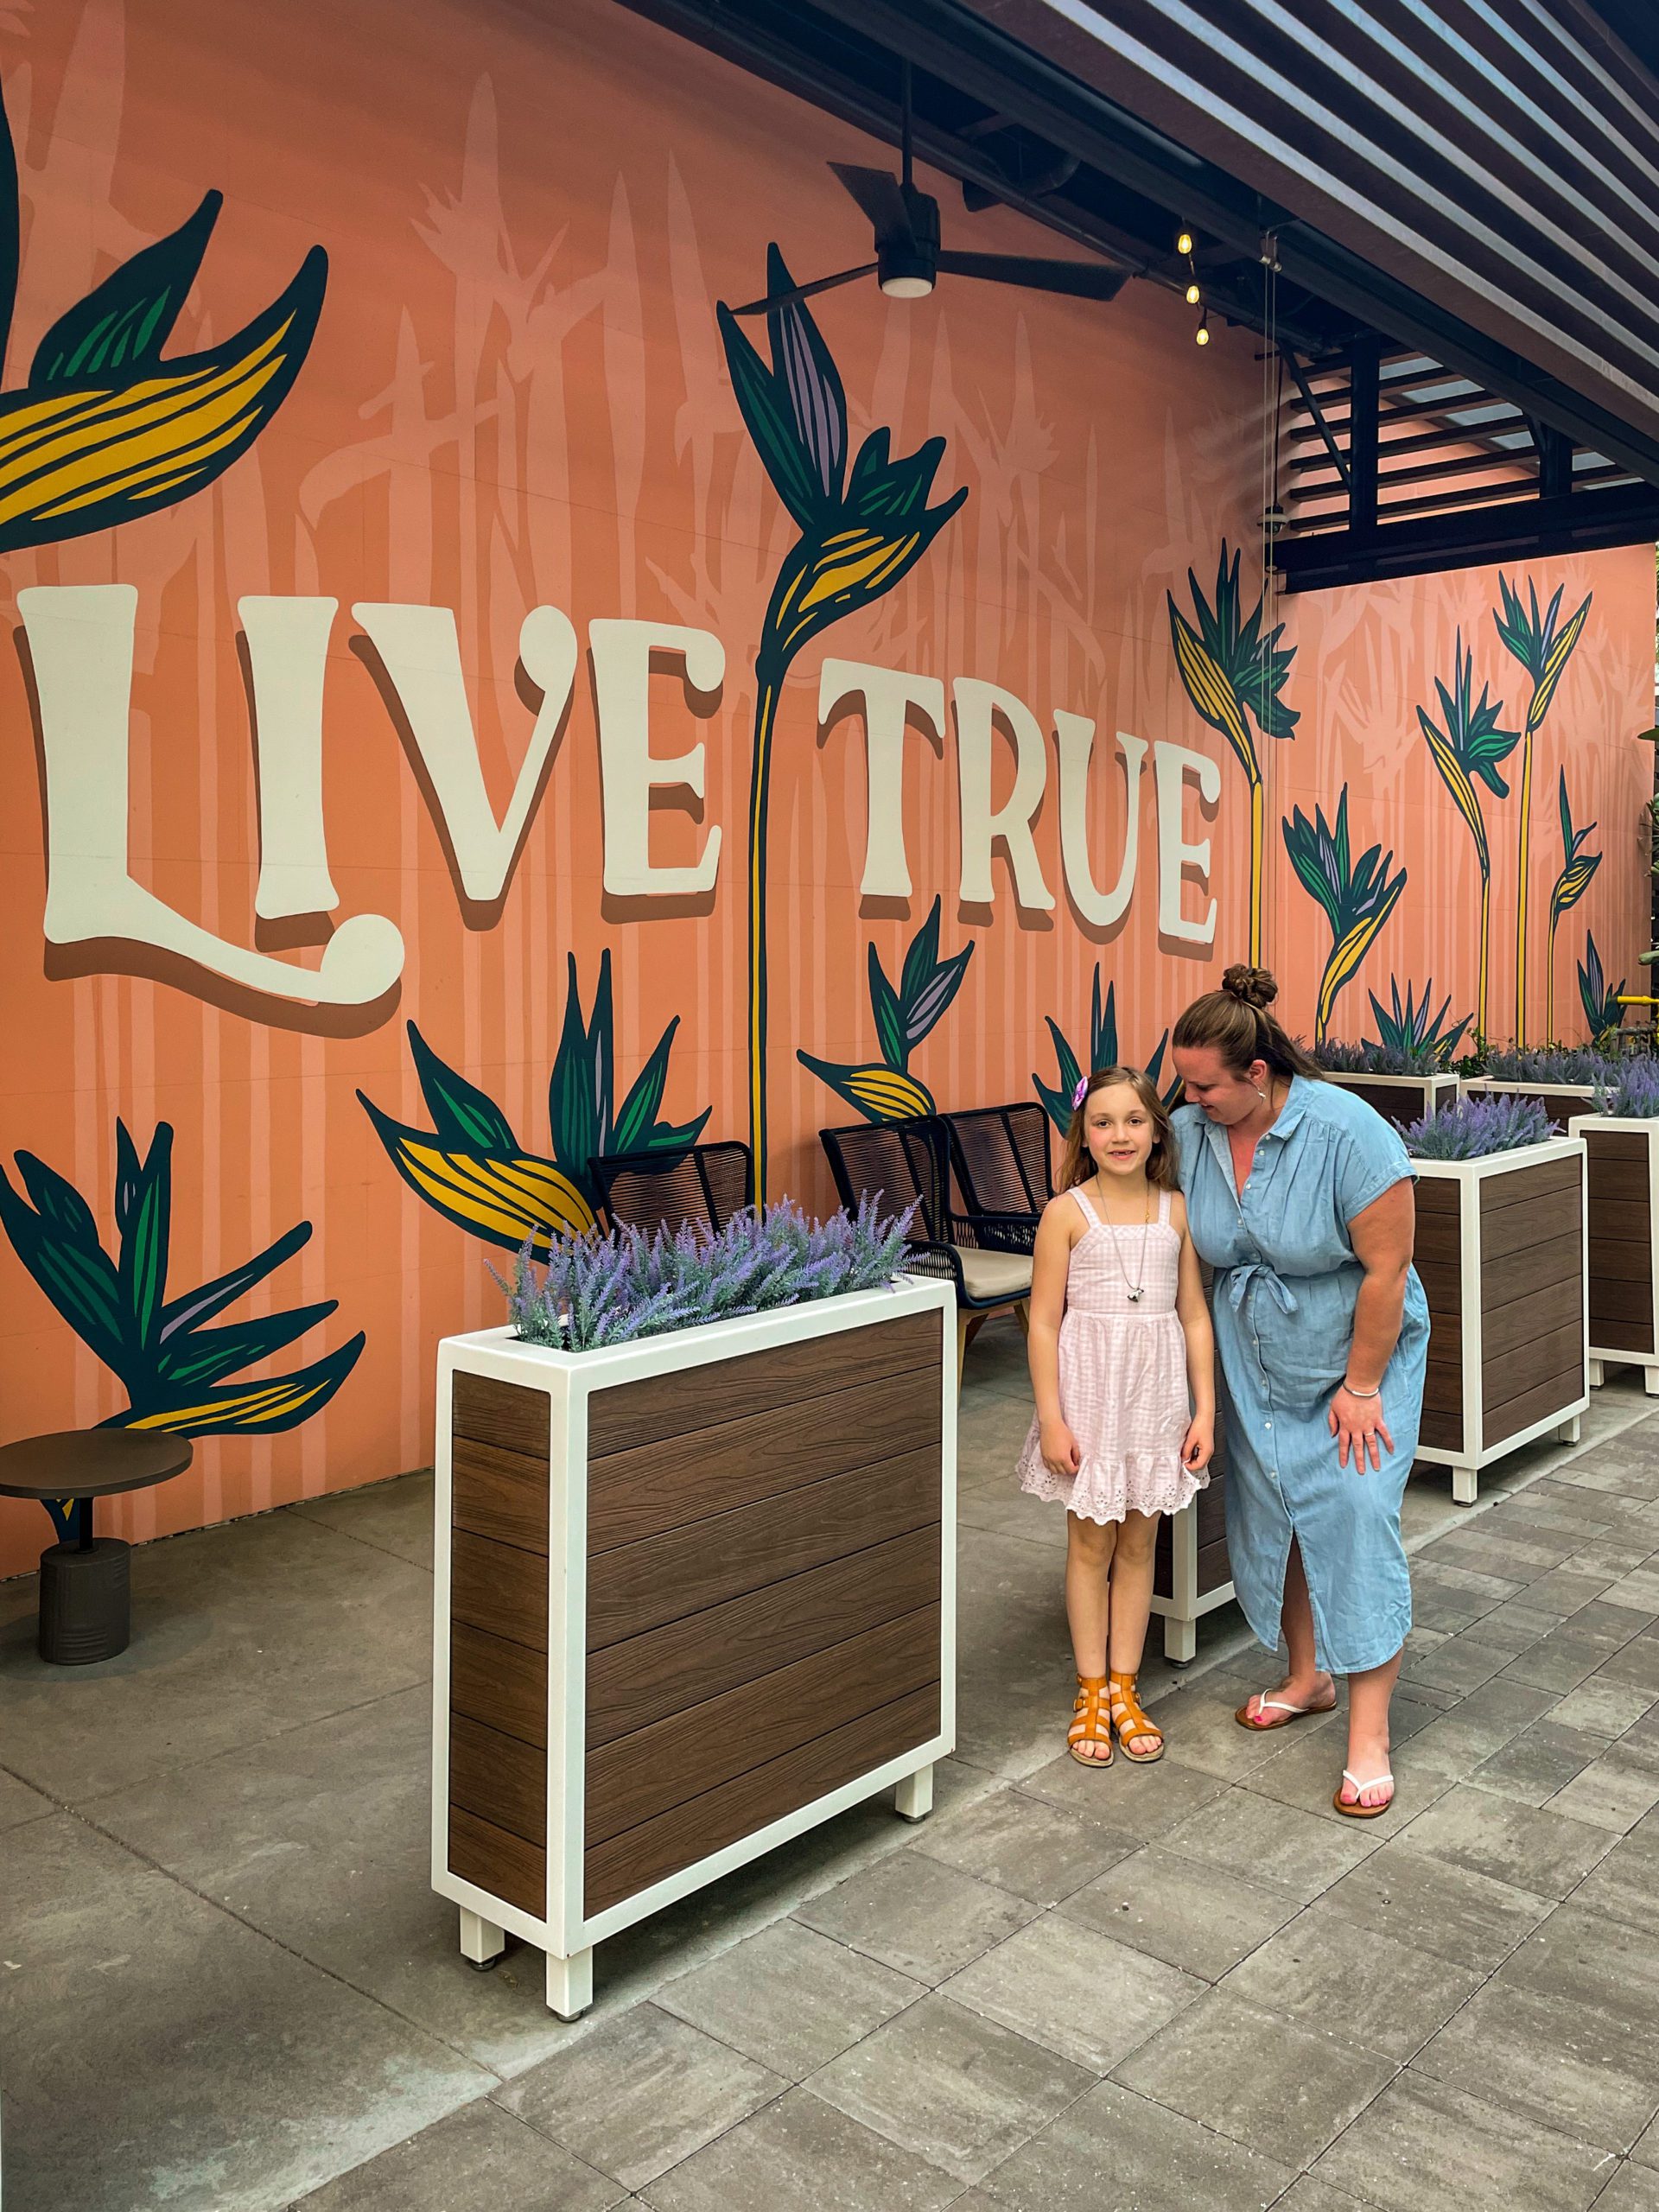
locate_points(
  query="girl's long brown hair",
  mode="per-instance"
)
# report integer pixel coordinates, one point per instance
(1075, 1165)
(1235, 1019)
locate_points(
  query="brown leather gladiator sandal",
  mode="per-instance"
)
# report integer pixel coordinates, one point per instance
(1134, 1729)
(1091, 1724)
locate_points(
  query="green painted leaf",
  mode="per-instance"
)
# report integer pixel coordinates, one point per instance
(58, 1204)
(262, 1407)
(929, 1010)
(207, 1355)
(145, 1230)
(573, 1090)
(462, 1114)
(120, 328)
(83, 1285)
(638, 1117)
(201, 1304)
(889, 1017)
(921, 959)
(765, 414)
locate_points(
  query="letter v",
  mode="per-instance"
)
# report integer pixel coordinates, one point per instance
(420, 650)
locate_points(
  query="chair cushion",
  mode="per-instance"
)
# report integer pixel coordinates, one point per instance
(992, 1276)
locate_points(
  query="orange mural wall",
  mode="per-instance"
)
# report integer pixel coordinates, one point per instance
(508, 390)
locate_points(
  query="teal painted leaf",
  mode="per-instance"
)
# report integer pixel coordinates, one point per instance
(462, 1115)
(122, 327)
(638, 1117)
(921, 959)
(58, 1204)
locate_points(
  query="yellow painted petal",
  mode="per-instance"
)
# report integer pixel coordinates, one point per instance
(1559, 653)
(1211, 692)
(883, 1090)
(504, 1199)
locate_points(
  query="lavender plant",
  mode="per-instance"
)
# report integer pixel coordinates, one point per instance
(1634, 1096)
(597, 1290)
(1577, 1063)
(1475, 1128)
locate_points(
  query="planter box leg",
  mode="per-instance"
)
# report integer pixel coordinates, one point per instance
(1598, 1374)
(1568, 1431)
(1650, 1381)
(481, 1942)
(1180, 1641)
(1465, 1485)
(913, 1799)
(570, 1984)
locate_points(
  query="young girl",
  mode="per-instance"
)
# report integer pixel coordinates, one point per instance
(1121, 1348)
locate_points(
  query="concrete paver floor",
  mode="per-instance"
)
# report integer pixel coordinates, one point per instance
(225, 1987)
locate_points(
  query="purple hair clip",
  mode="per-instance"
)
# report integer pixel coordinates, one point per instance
(1080, 1093)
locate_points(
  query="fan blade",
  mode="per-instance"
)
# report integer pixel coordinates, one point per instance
(1081, 280)
(806, 291)
(881, 198)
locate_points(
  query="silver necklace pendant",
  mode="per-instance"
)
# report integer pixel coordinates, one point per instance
(1137, 1291)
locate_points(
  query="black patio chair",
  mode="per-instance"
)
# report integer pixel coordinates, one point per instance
(1000, 1157)
(705, 1186)
(987, 1256)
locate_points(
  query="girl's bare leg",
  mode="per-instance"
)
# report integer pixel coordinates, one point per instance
(1131, 1591)
(1089, 1548)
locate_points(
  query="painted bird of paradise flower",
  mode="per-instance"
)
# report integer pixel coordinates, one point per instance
(884, 1090)
(1467, 752)
(860, 532)
(1602, 1009)
(1358, 897)
(470, 1168)
(1233, 676)
(104, 429)
(1543, 644)
(175, 1370)
(1411, 1030)
(1103, 1053)
(1578, 869)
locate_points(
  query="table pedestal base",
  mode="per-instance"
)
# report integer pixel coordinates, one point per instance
(86, 1608)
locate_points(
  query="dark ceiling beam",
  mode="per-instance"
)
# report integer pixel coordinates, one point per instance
(1513, 529)
(959, 46)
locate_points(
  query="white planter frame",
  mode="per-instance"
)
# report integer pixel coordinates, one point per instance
(1183, 1610)
(565, 1932)
(1561, 1100)
(1604, 1357)
(1561, 1421)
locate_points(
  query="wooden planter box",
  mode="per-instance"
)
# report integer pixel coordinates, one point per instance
(694, 1595)
(1400, 1098)
(1623, 1185)
(1192, 1574)
(1560, 1101)
(1501, 1253)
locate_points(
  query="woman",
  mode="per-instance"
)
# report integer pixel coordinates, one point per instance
(1300, 1197)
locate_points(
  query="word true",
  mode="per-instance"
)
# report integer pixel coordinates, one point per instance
(80, 644)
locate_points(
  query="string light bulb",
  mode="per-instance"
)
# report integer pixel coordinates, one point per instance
(1193, 295)
(1201, 335)
(1183, 243)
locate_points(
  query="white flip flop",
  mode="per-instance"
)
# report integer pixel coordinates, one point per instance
(1356, 1811)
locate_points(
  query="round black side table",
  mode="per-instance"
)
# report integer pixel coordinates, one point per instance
(85, 1598)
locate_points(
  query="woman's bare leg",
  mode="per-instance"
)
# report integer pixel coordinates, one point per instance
(1306, 1683)
(1089, 1548)
(1368, 1731)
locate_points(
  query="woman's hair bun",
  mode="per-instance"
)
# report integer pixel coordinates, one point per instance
(1255, 986)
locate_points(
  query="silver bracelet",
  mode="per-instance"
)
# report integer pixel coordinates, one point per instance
(1352, 1393)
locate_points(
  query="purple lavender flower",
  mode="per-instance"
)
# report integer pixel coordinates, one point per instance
(1475, 1128)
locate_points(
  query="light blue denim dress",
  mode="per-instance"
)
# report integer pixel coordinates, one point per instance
(1285, 1282)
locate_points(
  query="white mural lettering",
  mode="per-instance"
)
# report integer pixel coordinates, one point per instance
(80, 645)
(979, 707)
(1074, 735)
(1171, 766)
(887, 695)
(629, 771)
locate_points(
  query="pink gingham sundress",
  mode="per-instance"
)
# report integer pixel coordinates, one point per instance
(1124, 1387)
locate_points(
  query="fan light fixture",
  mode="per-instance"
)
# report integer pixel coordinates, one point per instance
(909, 259)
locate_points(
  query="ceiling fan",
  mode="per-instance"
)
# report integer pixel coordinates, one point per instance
(909, 259)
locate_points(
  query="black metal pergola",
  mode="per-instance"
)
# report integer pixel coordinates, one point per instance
(1458, 209)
